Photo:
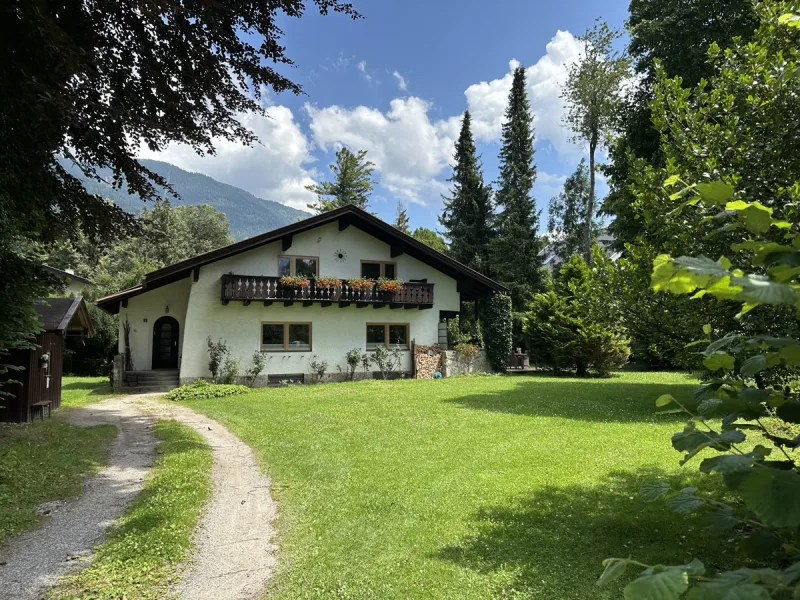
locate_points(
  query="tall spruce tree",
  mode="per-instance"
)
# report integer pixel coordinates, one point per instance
(467, 215)
(515, 253)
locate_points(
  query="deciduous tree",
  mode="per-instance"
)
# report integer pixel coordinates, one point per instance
(593, 94)
(95, 82)
(431, 238)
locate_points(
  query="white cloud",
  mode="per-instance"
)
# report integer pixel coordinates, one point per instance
(276, 168)
(401, 81)
(487, 100)
(362, 67)
(408, 149)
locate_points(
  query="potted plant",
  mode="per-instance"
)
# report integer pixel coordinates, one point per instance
(390, 285)
(360, 283)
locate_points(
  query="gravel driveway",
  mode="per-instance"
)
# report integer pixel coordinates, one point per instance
(36, 559)
(235, 556)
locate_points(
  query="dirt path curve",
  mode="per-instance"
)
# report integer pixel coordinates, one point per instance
(235, 557)
(36, 559)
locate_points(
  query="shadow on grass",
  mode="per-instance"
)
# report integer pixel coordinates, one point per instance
(551, 543)
(97, 389)
(606, 400)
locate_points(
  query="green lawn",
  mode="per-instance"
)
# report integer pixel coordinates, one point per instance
(80, 391)
(471, 488)
(143, 555)
(44, 461)
(48, 460)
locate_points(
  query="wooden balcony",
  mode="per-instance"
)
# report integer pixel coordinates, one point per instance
(257, 288)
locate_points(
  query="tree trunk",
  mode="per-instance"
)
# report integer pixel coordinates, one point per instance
(587, 233)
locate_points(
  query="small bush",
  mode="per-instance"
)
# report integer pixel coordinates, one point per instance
(201, 389)
(467, 351)
(217, 351)
(230, 371)
(257, 365)
(387, 361)
(318, 368)
(353, 358)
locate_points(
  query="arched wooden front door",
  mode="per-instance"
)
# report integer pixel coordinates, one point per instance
(165, 343)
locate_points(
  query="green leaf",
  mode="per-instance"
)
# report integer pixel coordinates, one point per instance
(773, 495)
(654, 490)
(708, 407)
(685, 503)
(761, 545)
(727, 463)
(614, 568)
(707, 329)
(658, 583)
(719, 360)
(671, 180)
(720, 521)
(664, 400)
(753, 395)
(754, 364)
(790, 19)
(729, 591)
(715, 192)
(791, 354)
(789, 412)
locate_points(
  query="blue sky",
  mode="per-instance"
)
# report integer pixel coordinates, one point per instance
(396, 84)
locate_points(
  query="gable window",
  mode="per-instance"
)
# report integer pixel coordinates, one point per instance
(307, 266)
(286, 337)
(388, 335)
(373, 269)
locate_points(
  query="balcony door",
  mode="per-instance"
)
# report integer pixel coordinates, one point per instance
(165, 343)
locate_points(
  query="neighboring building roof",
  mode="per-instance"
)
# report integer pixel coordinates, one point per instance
(64, 315)
(475, 284)
(66, 275)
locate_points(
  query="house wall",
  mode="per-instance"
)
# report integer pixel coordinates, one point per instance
(334, 330)
(142, 313)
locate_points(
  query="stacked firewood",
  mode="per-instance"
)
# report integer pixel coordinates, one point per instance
(428, 360)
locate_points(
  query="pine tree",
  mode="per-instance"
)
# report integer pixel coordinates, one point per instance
(515, 253)
(467, 215)
(401, 222)
(352, 183)
(567, 214)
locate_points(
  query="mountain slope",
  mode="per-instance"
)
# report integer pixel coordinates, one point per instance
(247, 214)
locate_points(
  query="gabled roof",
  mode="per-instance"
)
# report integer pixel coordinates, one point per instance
(471, 283)
(64, 315)
(66, 275)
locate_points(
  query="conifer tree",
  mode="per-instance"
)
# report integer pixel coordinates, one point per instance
(515, 253)
(567, 214)
(401, 222)
(352, 183)
(467, 215)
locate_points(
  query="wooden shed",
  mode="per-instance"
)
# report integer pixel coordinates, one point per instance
(39, 387)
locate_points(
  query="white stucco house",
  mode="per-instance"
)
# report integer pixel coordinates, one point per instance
(235, 294)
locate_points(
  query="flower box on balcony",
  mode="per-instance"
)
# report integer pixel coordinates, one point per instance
(328, 282)
(294, 281)
(389, 285)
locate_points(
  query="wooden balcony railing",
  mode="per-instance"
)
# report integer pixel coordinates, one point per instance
(257, 288)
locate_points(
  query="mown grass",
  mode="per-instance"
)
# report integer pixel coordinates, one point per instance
(80, 391)
(45, 461)
(472, 488)
(142, 557)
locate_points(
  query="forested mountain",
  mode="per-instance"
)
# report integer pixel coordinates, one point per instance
(248, 214)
